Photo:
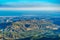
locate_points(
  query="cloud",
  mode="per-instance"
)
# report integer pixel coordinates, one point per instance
(34, 8)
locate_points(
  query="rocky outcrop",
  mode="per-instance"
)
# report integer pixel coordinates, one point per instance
(27, 28)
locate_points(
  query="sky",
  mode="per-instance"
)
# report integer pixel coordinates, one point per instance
(41, 5)
(29, 2)
(51, 1)
(33, 4)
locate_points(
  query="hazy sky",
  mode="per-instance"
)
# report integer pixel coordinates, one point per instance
(51, 1)
(46, 4)
(29, 1)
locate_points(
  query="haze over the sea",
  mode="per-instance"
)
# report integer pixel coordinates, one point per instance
(29, 13)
